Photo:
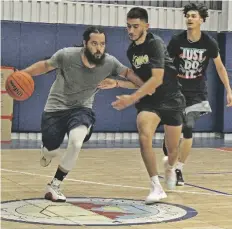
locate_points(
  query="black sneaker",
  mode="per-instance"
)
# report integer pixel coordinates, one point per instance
(179, 178)
(164, 148)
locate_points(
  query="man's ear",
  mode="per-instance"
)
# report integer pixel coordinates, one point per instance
(202, 21)
(84, 43)
(147, 26)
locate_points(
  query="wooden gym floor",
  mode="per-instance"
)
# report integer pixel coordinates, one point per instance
(118, 176)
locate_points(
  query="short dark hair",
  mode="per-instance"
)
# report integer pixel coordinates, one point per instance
(138, 12)
(201, 8)
(92, 29)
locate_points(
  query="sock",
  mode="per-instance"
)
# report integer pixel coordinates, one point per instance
(179, 165)
(155, 180)
(170, 167)
(60, 175)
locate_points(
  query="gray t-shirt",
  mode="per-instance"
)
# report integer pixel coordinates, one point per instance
(76, 85)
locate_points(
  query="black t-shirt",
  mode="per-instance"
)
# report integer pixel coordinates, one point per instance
(149, 55)
(191, 60)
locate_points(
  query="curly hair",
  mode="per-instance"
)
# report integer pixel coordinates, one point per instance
(199, 7)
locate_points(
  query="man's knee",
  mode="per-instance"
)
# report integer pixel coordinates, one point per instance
(187, 132)
(51, 145)
(53, 130)
(51, 142)
(145, 141)
(189, 124)
(145, 136)
(77, 136)
(173, 149)
(76, 145)
(191, 118)
(171, 146)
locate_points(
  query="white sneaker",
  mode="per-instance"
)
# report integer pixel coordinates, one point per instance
(156, 194)
(169, 175)
(53, 192)
(45, 159)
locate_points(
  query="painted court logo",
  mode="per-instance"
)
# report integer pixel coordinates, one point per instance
(93, 212)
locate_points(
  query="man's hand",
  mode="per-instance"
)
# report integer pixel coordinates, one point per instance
(107, 84)
(229, 99)
(123, 101)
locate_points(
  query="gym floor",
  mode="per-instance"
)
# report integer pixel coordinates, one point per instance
(108, 185)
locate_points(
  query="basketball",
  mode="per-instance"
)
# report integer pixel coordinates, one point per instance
(20, 85)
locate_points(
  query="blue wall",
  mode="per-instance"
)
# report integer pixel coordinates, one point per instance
(25, 43)
(227, 58)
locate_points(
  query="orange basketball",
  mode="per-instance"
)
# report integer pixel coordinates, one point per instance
(20, 85)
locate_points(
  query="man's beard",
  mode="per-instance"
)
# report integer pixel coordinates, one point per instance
(92, 59)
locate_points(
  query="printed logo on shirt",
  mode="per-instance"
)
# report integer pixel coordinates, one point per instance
(191, 62)
(138, 61)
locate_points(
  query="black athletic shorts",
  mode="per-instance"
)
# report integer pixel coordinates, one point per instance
(55, 125)
(170, 110)
(170, 118)
(194, 98)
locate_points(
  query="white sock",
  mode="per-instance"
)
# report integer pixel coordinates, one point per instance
(179, 165)
(170, 167)
(76, 138)
(155, 180)
(167, 165)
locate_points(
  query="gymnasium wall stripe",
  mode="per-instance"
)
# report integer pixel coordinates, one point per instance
(68, 12)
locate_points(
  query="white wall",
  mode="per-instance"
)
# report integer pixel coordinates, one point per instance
(57, 11)
(227, 16)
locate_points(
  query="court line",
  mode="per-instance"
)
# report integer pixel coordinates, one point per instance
(211, 173)
(221, 149)
(122, 186)
(208, 189)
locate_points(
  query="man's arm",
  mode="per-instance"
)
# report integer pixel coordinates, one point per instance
(44, 66)
(126, 73)
(157, 62)
(215, 55)
(173, 47)
(147, 88)
(39, 68)
(109, 83)
(221, 70)
(135, 81)
(150, 86)
(126, 84)
(131, 81)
